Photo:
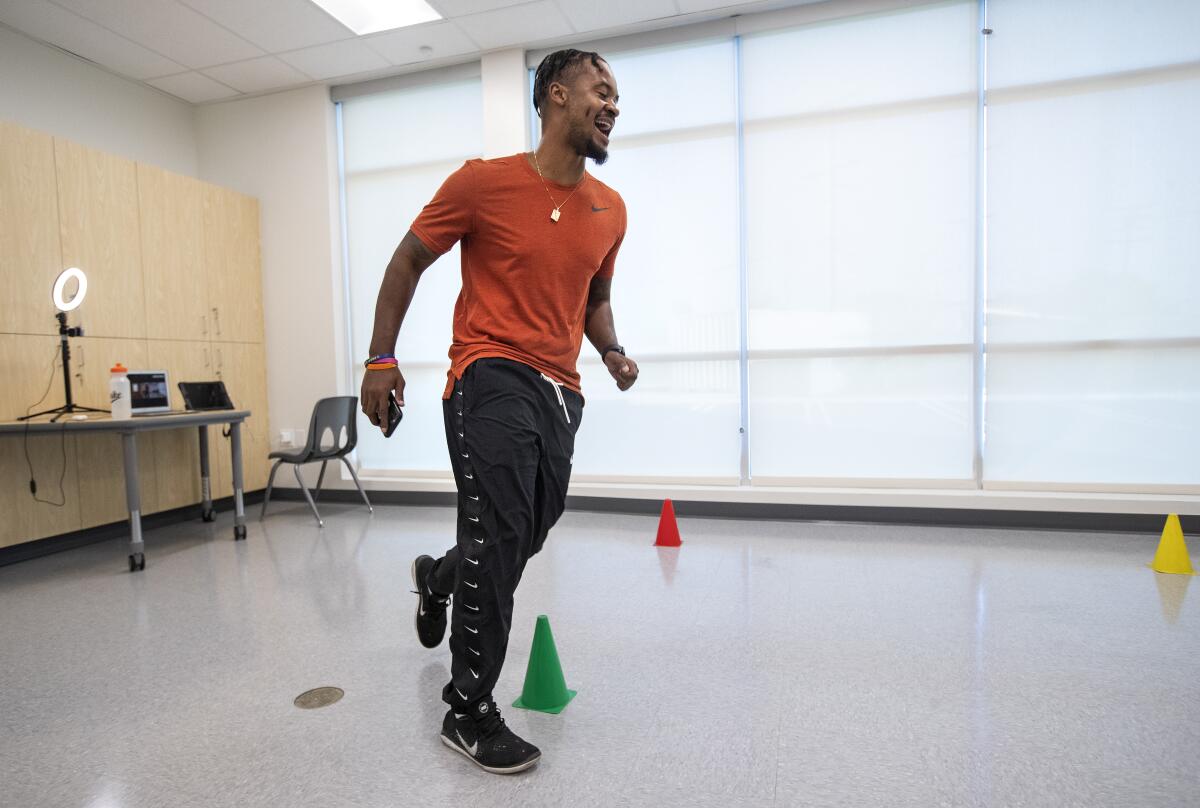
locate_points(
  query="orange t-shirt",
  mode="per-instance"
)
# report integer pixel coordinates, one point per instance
(525, 278)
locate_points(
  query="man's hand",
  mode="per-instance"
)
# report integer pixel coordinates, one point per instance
(374, 396)
(622, 368)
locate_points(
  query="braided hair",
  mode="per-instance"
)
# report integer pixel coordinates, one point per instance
(559, 66)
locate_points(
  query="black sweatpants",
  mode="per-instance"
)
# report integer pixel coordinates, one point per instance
(511, 435)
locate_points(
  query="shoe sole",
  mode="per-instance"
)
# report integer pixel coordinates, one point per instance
(520, 767)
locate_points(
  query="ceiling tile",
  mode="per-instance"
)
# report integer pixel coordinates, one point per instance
(596, 15)
(527, 23)
(403, 46)
(49, 23)
(173, 30)
(193, 87)
(461, 8)
(690, 6)
(338, 59)
(275, 25)
(257, 75)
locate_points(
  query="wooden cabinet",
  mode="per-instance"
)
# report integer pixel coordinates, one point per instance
(231, 242)
(175, 283)
(98, 210)
(31, 367)
(30, 253)
(173, 255)
(241, 366)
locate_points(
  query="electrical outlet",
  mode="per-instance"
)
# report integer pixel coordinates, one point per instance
(287, 437)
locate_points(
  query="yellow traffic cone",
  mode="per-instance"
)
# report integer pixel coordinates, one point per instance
(1172, 555)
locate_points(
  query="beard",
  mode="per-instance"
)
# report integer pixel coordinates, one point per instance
(585, 144)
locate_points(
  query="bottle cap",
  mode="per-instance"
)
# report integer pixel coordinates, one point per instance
(119, 369)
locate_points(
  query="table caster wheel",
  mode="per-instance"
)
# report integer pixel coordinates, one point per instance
(239, 532)
(137, 561)
(208, 515)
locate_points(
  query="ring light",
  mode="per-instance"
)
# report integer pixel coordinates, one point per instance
(60, 286)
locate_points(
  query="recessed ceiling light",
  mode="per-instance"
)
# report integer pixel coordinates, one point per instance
(369, 16)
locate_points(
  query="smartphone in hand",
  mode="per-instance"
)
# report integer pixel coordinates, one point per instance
(394, 415)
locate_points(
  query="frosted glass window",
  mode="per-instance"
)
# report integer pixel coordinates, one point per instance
(862, 61)
(1037, 41)
(680, 420)
(880, 417)
(861, 232)
(673, 159)
(1123, 417)
(860, 155)
(419, 445)
(654, 99)
(1094, 215)
(399, 147)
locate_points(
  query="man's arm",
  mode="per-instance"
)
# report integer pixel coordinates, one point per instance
(411, 258)
(601, 332)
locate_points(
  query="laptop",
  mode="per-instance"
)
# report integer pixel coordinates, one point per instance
(200, 396)
(149, 392)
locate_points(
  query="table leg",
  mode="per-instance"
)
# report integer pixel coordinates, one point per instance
(137, 548)
(206, 506)
(239, 511)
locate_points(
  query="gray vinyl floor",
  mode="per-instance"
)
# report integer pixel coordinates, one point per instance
(762, 664)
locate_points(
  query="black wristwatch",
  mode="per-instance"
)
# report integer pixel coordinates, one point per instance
(614, 347)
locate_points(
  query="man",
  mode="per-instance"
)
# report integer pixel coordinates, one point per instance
(539, 240)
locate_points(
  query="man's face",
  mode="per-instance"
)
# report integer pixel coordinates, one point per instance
(592, 110)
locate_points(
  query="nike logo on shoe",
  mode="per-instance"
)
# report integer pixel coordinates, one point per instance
(472, 748)
(461, 695)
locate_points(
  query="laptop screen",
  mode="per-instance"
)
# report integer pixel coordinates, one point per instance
(149, 391)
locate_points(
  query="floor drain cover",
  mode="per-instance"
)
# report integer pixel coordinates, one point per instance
(319, 697)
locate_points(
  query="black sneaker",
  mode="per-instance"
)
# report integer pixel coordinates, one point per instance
(487, 741)
(431, 610)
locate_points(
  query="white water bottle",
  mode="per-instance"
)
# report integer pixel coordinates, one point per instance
(119, 394)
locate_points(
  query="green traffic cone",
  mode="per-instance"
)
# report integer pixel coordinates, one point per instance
(545, 688)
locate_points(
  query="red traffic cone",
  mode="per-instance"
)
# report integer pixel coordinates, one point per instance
(668, 531)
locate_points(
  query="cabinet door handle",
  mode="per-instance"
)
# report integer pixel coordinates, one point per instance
(204, 325)
(217, 319)
(220, 362)
(207, 364)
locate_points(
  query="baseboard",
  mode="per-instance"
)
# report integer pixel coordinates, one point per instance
(81, 538)
(949, 517)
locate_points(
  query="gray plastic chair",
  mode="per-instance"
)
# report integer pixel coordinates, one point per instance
(336, 416)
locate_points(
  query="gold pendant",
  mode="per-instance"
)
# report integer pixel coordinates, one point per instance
(554, 214)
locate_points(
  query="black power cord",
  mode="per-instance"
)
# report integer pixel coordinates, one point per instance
(62, 493)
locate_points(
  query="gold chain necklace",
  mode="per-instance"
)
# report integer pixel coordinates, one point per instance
(557, 212)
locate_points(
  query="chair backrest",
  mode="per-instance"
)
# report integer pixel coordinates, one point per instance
(335, 417)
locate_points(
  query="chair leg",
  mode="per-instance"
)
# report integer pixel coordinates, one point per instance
(270, 484)
(308, 496)
(356, 482)
(320, 479)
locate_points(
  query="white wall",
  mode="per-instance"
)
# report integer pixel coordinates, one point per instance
(282, 149)
(505, 120)
(42, 88)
